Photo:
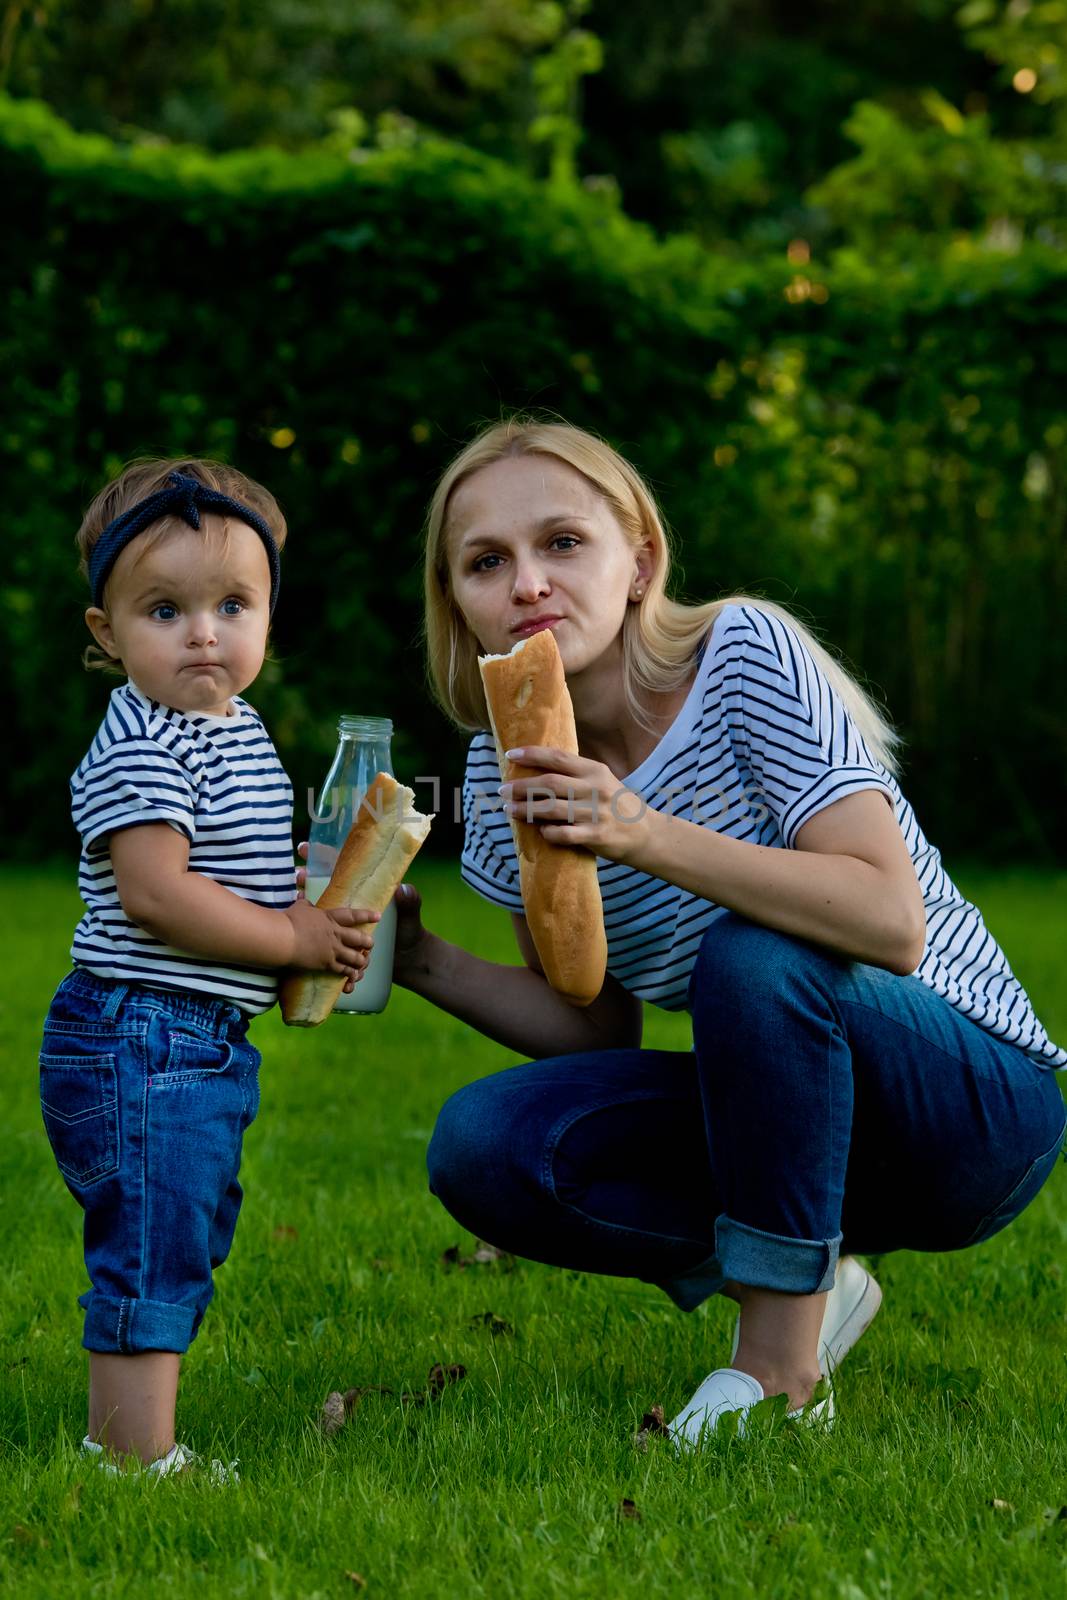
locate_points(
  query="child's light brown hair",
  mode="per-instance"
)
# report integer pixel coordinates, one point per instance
(145, 476)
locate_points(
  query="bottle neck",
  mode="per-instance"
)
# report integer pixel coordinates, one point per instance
(367, 730)
(365, 752)
(364, 748)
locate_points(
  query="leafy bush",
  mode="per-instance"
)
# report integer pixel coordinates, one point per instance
(879, 443)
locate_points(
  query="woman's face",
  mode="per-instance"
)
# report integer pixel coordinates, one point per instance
(531, 543)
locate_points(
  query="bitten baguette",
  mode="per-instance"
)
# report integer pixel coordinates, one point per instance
(529, 704)
(381, 845)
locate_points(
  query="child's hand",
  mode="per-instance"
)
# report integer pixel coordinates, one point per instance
(331, 941)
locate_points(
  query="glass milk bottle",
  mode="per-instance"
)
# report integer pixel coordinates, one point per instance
(363, 749)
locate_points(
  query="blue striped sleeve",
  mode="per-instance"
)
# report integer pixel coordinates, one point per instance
(804, 750)
(488, 862)
(129, 783)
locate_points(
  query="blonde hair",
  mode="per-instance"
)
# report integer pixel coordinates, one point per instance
(660, 636)
(143, 477)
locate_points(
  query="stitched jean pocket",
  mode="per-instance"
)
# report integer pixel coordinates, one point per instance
(1025, 1190)
(192, 1057)
(79, 1104)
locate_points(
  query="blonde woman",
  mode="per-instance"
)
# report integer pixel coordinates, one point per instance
(866, 1072)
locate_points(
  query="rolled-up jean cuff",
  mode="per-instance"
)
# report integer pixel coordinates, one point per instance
(126, 1327)
(690, 1289)
(770, 1261)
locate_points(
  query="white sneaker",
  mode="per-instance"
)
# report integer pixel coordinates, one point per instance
(728, 1390)
(179, 1458)
(851, 1306)
(850, 1309)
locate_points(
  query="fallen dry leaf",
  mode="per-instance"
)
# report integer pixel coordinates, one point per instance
(652, 1426)
(483, 1255)
(1001, 1505)
(357, 1578)
(332, 1418)
(440, 1377)
(285, 1232)
(338, 1407)
(490, 1320)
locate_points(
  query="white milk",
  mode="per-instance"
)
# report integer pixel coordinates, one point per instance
(372, 990)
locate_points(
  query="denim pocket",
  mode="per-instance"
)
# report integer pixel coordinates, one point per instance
(79, 1104)
(1025, 1190)
(191, 1057)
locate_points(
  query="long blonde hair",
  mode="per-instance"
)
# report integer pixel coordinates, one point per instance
(660, 636)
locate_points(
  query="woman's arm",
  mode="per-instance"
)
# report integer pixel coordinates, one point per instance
(849, 883)
(514, 1006)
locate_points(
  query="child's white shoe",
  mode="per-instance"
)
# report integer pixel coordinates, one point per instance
(179, 1458)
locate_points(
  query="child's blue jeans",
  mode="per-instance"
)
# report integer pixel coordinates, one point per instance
(826, 1106)
(146, 1094)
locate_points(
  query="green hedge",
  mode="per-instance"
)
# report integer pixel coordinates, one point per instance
(883, 448)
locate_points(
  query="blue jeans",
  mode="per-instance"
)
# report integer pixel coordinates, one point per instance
(826, 1106)
(145, 1095)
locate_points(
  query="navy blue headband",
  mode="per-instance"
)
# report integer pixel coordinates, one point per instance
(186, 498)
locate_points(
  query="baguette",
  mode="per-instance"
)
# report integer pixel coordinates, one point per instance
(529, 704)
(382, 843)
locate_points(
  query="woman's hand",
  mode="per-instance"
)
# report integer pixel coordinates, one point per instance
(587, 804)
(410, 933)
(411, 936)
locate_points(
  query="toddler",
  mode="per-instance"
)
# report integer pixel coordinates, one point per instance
(148, 1080)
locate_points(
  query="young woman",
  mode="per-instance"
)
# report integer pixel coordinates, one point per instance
(866, 1075)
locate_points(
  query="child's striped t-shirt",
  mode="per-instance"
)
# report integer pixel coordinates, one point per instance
(219, 782)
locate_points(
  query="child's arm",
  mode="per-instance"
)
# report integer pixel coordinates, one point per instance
(193, 913)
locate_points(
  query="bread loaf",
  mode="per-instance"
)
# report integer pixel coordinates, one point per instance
(382, 842)
(529, 704)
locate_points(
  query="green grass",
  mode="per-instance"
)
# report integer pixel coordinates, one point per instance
(510, 1483)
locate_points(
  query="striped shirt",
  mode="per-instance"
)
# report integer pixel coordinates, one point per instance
(219, 783)
(762, 744)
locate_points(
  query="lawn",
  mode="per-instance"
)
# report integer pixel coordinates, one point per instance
(946, 1473)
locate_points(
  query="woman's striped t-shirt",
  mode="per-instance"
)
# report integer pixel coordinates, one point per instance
(219, 782)
(762, 744)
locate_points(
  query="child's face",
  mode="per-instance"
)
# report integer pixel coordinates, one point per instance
(189, 618)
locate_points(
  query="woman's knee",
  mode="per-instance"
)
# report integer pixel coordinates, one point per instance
(471, 1154)
(740, 958)
(458, 1144)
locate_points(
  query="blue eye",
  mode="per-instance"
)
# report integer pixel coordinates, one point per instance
(476, 566)
(238, 607)
(164, 606)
